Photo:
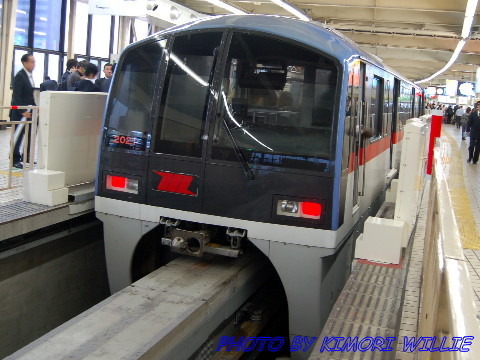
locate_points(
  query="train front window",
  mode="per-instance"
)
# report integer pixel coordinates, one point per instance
(277, 100)
(184, 102)
(131, 98)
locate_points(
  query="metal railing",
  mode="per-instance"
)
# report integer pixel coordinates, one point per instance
(26, 140)
(448, 307)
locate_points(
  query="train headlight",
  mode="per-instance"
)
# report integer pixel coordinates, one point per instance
(120, 183)
(299, 209)
(289, 206)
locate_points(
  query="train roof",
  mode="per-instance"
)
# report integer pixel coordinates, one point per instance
(310, 33)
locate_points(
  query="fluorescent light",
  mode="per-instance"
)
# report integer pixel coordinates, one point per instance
(291, 9)
(467, 26)
(40, 33)
(471, 7)
(43, 18)
(226, 6)
(450, 62)
(20, 30)
(22, 12)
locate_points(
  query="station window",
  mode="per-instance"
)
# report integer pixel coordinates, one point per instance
(184, 101)
(47, 24)
(22, 24)
(276, 105)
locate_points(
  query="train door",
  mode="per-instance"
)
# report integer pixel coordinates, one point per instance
(177, 160)
(358, 104)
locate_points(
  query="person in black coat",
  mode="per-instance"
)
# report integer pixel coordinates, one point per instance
(48, 85)
(87, 84)
(104, 83)
(473, 127)
(72, 65)
(23, 86)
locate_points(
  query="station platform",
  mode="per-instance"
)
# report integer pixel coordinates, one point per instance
(378, 300)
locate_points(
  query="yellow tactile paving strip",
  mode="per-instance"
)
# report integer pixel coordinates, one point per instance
(453, 160)
(14, 173)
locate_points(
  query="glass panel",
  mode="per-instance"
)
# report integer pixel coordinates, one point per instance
(53, 67)
(39, 72)
(277, 100)
(81, 26)
(100, 36)
(141, 29)
(184, 103)
(47, 24)
(17, 63)
(22, 24)
(131, 97)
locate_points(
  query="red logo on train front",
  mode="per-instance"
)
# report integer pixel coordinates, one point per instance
(177, 183)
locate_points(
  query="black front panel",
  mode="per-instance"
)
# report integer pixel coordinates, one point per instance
(228, 193)
(127, 165)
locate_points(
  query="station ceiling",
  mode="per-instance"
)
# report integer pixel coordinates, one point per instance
(415, 37)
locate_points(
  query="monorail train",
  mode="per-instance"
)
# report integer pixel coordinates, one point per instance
(256, 128)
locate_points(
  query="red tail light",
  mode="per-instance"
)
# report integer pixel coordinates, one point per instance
(120, 183)
(311, 209)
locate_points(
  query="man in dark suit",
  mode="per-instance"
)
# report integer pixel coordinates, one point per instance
(72, 65)
(48, 84)
(23, 86)
(473, 127)
(104, 83)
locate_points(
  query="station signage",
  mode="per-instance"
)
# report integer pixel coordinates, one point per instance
(452, 86)
(466, 88)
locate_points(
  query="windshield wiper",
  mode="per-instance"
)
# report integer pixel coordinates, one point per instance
(241, 159)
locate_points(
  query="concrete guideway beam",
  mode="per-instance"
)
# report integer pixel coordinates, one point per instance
(168, 314)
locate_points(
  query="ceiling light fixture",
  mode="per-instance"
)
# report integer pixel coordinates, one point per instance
(467, 26)
(292, 10)
(226, 6)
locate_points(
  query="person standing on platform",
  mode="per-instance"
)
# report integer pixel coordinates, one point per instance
(71, 67)
(104, 83)
(23, 86)
(88, 83)
(473, 127)
(464, 121)
(48, 85)
(458, 116)
(76, 75)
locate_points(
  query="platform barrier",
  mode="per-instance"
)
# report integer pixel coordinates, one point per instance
(16, 128)
(447, 308)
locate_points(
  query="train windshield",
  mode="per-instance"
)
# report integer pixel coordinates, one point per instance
(277, 100)
(130, 104)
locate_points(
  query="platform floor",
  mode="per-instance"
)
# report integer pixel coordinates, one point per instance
(463, 180)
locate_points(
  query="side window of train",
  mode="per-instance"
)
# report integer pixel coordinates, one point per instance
(184, 99)
(375, 120)
(131, 98)
(276, 105)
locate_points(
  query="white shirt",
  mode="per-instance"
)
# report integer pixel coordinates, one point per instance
(30, 77)
(460, 112)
